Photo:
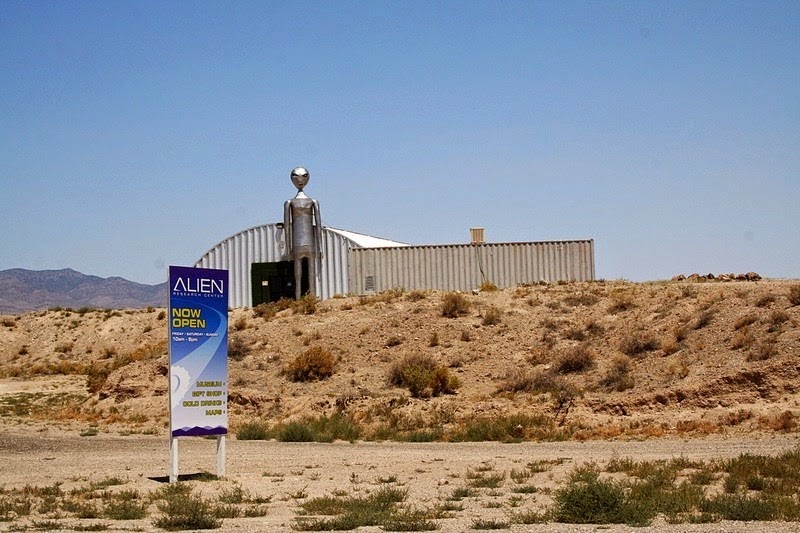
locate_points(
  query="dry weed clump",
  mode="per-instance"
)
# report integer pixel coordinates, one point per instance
(762, 351)
(386, 297)
(488, 286)
(492, 316)
(785, 421)
(423, 376)
(703, 319)
(576, 359)
(621, 301)
(764, 300)
(581, 299)
(744, 321)
(237, 348)
(776, 320)
(637, 343)
(306, 305)
(267, 311)
(794, 294)
(618, 377)
(454, 305)
(314, 364)
(744, 338)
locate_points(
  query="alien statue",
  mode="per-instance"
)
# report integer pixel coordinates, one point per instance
(302, 226)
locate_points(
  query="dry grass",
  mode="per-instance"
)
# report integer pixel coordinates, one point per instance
(454, 305)
(637, 343)
(576, 359)
(316, 363)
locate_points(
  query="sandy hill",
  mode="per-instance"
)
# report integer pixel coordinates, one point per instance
(575, 360)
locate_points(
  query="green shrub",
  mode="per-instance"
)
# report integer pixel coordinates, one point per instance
(126, 505)
(183, 510)
(316, 363)
(320, 429)
(587, 499)
(454, 304)
(254, 430)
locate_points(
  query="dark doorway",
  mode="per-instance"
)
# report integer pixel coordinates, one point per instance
(273, 281)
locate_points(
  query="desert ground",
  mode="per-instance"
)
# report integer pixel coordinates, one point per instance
(534, 383)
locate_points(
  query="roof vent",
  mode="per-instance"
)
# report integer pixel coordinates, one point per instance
(476, 236)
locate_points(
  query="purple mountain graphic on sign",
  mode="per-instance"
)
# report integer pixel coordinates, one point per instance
(199, 431)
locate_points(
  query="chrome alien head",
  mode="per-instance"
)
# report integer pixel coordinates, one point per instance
(300, 178)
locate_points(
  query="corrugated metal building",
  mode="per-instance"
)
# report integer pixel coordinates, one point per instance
(359, 264)
(466, 266)
(241, 254)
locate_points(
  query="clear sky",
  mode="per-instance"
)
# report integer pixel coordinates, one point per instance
(138, 134)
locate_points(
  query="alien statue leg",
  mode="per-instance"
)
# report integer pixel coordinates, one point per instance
(312, 276)
(298, 277)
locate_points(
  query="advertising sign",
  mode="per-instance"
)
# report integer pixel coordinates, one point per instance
(198, 351)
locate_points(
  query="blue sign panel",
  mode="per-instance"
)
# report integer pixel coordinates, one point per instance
(198, 351)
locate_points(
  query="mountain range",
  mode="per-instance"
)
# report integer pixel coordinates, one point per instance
(24, 290)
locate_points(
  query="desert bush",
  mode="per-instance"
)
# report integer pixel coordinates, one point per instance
(415, 296)
(764, 300)
(237, 348)
(9, 322)
(794, 294)
(394, 340)
(492, 316)
(576, 359)
(306, 305)
(423, 376)
(744, 321)
(454, 304)
(518, 380)
(386, 296)
(378, 508)
(488, 286)
(316, 363)
(703, 319)
(183, 510)
(253, 430)
(318, 429)
(617, 377)
(268, 311)
(637, 343)
(762, 351)
(776, 319)
(465, 335)
(513, 428)
(240, 323)
(670, 346)
(620, 302)
(126, 505)
(743, 339)
(434, 340)
(576, 300)
(575, 334)
(587, 499)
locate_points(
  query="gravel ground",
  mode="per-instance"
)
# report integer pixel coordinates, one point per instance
(292, 472)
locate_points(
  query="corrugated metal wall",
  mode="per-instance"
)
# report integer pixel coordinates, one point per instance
(265, 244)
(465, 266)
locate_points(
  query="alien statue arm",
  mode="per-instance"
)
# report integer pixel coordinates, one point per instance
(287, 229)
(318, 230)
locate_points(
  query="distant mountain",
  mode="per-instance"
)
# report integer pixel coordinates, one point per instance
(26, 290)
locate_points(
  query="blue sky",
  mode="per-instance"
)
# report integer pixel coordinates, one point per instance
(134, 135)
